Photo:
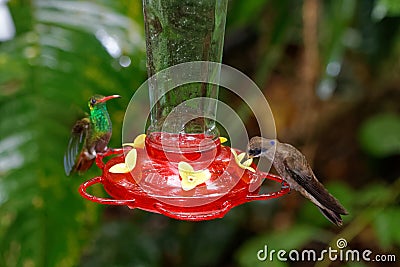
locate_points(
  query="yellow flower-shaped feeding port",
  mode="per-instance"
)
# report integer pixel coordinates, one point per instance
(245, 165)
(223, 139)
(128, 165)
(139, 142)
(190, 177)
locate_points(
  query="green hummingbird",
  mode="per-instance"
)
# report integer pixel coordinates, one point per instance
(89, 136)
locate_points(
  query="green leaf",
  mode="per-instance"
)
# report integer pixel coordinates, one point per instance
(122, 244)
(379, 135)
(374, 192)
(47, 73)
(386, 8)
(386, 227)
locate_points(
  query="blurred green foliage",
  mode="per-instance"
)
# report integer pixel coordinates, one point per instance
(379, 135)
(65, 51)
(388, 7)
(47, 72)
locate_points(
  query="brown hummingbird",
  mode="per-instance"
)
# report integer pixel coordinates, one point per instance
(292, 166)
(89, 136)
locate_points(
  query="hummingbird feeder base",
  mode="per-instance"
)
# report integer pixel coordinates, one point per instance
(154, 184)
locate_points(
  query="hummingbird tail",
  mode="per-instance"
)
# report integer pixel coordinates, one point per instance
(332, 216)
(83, 163)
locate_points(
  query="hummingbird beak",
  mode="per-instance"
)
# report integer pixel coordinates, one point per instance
(106, 98)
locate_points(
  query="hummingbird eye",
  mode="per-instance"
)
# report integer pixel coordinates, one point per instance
(92, 101)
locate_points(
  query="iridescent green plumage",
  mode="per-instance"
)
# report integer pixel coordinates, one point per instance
(89, 135)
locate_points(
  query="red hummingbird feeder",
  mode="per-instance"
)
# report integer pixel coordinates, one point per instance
(180, 168)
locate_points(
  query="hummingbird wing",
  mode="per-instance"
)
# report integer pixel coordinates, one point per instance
(75, 144)
(304, 176)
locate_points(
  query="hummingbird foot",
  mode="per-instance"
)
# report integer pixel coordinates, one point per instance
(284, 185)
(90, 155)
(111, 151)
(108, 152)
